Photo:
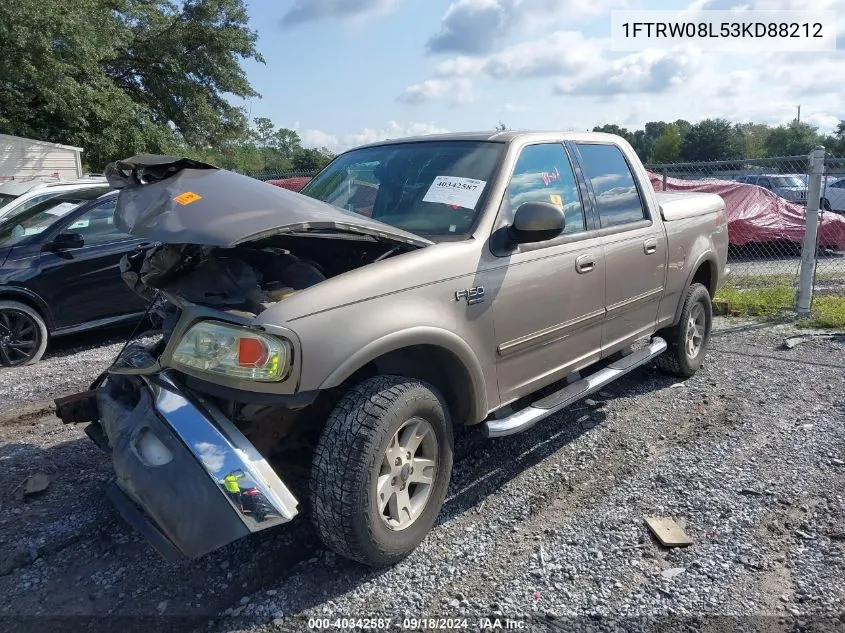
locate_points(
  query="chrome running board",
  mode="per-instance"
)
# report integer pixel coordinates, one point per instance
(533, 413)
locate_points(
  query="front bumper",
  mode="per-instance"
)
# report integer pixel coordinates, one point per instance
(171, 451)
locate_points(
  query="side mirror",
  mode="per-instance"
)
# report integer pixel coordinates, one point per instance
(65, 241)
(536, 222)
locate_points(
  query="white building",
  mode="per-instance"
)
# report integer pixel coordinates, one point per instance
(22, 158)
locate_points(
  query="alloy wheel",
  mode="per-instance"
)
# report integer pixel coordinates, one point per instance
(407, 473)
(696, 327)
(20, 337)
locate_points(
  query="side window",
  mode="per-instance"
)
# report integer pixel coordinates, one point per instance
(97, 226)
(543, 174)
(617, 198)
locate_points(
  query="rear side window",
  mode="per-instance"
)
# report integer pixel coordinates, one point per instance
(617, 198)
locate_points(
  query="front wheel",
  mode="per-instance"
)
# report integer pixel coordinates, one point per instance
(23, 334)
(381, 469)
(688, 340)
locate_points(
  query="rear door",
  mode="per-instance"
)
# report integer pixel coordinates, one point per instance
(548, 297)
(85, 283)
(634, 245)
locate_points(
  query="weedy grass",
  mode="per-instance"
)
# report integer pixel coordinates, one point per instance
(769, 298)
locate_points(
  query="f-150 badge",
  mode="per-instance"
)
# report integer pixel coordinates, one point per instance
(470, 295)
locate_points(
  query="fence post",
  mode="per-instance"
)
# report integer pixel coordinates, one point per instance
(664, 180)
(808, 248)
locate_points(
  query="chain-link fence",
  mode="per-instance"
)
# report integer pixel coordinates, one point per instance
(766, 199)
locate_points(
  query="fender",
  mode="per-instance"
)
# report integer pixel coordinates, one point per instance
(709, 258)
(29, 297)
(422, 335)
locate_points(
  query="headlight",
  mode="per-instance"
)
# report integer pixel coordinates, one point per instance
(237, 352)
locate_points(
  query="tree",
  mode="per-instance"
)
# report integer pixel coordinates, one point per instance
(287, 142)
(118, 77)
(611, 128)
(711, 139)
(311, 159)
(795, 139)
(667, 146)
(683, 127)
(754, 137)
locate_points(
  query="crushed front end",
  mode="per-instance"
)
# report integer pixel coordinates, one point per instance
(185, 477)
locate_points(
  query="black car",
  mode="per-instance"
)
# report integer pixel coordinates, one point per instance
(59, 272)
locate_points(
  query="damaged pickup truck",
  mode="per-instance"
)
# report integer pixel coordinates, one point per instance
(318, 349)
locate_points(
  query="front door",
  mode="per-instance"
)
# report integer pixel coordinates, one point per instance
(85, 282)
(548, 297)
(634, 246)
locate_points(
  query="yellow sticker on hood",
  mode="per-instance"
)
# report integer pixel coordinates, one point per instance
(556, 199)
(187, 198)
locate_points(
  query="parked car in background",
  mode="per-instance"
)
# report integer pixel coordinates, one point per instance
(59, 272)
(834, 195)
(19, 195)
(786, 186)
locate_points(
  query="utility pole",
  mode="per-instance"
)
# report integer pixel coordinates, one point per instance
(799, 115)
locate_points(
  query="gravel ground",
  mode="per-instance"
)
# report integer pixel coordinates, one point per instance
(545, 527)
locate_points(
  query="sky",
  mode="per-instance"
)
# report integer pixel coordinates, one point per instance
(347, 72)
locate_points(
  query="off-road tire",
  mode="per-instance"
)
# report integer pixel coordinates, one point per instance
(347, 461)
(676, 359)
(40, 326)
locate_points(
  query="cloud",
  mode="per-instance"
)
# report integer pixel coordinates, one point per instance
(650, 71)
(560, 53)
(475, 26)
(304, 11)
(458, 90)
(212, 456)
(342, 142)
(515, 107)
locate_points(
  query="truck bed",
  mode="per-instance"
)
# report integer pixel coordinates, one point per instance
(676, 205)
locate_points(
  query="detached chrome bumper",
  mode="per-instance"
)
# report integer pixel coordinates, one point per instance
(171, 453)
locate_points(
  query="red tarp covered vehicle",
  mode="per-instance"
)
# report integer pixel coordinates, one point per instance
(294, 184)
(756, 215)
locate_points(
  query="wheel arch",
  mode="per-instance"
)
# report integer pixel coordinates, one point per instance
(435, 356)
(705, 272)
(28, 298)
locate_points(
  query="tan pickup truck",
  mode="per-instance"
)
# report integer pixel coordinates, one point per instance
(319, 348)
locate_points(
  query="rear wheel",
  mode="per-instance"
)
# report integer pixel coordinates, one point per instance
(688, 340)
(23, 334)
(381, 470)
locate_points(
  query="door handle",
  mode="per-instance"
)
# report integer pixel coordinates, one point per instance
(650, 246)
(585, 263)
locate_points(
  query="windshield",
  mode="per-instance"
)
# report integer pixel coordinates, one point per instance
(431, 188)
(5, 199)
(786, 181)
(36, 219)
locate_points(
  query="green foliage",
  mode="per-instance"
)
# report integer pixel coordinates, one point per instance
(795, 139)
(754, 136)
(119, 77)
(718, 139)
(610, 128)
(667, 146)
(711, 139)
(311, 159)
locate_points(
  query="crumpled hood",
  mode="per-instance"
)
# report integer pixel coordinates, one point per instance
(182, 201)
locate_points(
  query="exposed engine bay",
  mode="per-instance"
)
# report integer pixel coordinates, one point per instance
(247, 278)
